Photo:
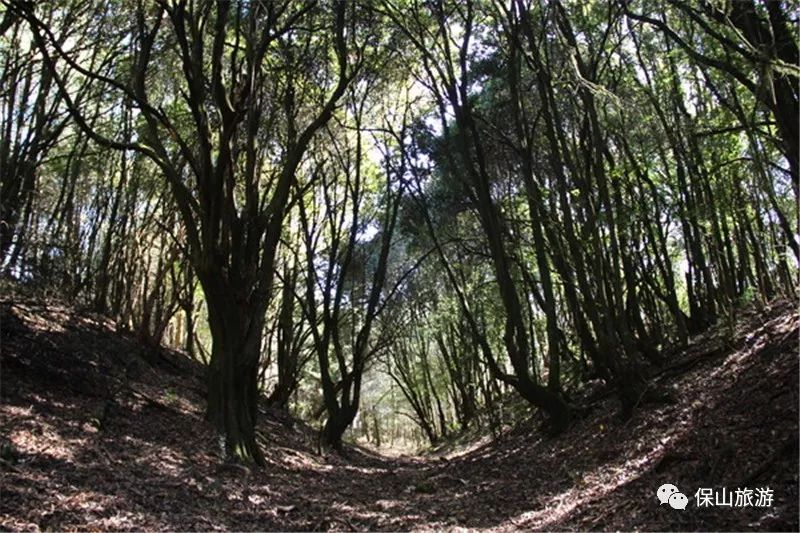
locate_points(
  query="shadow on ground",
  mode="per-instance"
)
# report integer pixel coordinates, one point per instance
(104, 433)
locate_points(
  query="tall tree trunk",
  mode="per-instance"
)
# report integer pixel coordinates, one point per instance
(236, 328)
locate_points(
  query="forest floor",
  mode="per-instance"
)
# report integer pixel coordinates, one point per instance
(99, 432)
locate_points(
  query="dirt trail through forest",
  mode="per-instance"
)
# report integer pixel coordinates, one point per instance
(99, 432)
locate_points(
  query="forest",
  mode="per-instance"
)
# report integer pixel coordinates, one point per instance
(407, 227)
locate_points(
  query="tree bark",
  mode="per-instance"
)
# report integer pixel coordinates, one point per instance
(233, 370)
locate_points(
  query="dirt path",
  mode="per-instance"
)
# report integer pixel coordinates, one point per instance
(105, 435)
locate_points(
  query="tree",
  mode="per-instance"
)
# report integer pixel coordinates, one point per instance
(596, 183)
(229, 138)
(347, 273)
(31, 122)
(760, 36)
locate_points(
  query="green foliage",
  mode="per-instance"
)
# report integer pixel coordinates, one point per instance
(576, 187)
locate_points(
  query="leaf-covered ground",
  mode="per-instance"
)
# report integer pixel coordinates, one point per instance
(100, 432)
